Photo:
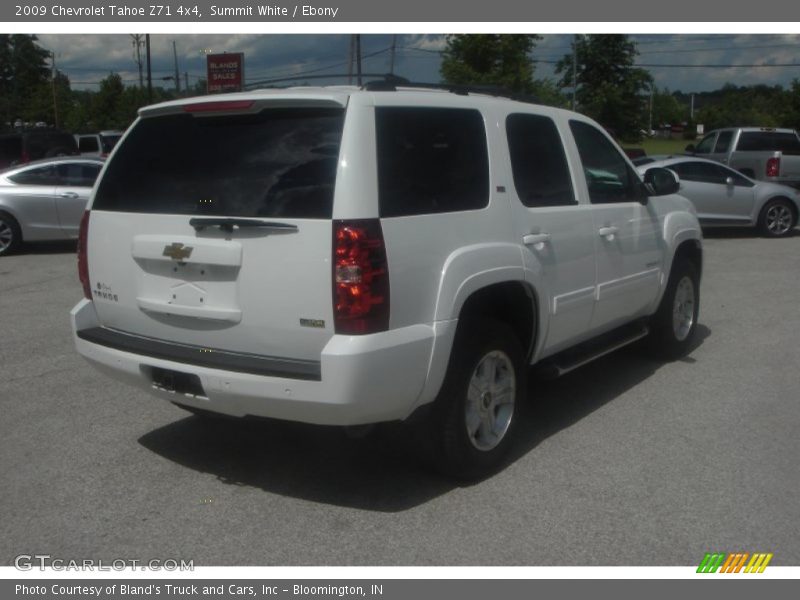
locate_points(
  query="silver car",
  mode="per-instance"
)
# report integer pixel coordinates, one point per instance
(44, 200)
(723, 196)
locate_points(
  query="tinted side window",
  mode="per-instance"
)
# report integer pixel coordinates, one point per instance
(708, 173)
(77, 174)
(723, 141)
(88, 144)
(109, 141)
(608, 176)
(431, 160)
(538, 161)
(276, 163)
(38, 176)
(705, 145)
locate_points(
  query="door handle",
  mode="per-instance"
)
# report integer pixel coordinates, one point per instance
(68, 195)
(608, 232)
(532, 239)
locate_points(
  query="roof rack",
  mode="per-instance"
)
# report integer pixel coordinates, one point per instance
(390, 83)
(271, 82)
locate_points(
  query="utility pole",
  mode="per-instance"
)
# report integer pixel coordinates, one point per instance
(391, 54)
(650, 117)
(177, 75)
(137, 56)
(149, 70)
(358, 59)
(691, 109)
(53, 80)
(574, 70)
(186, 83)
(350, 60)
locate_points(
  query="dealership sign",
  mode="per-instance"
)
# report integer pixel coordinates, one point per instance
(225, 72)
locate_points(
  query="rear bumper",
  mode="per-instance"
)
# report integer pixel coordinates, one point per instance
(361, 379)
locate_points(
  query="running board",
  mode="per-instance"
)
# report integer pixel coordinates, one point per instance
(577, 356)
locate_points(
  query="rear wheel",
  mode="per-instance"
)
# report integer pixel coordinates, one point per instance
(10, 234)
(777, 218)
(478, 407)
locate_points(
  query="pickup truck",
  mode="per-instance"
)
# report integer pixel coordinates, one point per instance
(761, 153)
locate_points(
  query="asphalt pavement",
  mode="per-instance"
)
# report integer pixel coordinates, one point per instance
(626, 461)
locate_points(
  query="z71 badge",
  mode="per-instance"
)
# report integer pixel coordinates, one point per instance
(318, 323)
(105, 292)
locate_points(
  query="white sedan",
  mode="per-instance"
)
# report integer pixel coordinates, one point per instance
(44, 200)
(723, 196)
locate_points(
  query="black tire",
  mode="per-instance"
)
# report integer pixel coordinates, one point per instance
(482, 349)
(778, 218)
(671, 337)
(10, 234)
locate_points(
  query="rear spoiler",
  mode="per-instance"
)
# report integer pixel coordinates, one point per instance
(246, 104)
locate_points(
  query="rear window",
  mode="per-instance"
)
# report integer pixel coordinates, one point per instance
(770, 141)
(431, 160)
(277, 163)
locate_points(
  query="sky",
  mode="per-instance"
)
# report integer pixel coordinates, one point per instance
(86, 59)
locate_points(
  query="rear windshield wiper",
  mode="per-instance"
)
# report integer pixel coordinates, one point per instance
(231, 223)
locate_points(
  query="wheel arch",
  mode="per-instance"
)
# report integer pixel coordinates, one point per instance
(500, 293)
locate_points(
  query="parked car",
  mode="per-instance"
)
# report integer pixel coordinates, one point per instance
(723, 196)
(348, 256)
(44, 200)
(760, 153)
(97, 144)
(23, 147)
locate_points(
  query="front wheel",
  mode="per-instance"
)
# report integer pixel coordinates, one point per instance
(10, 234)
(478, 407)
(674, 325)
(777, 218)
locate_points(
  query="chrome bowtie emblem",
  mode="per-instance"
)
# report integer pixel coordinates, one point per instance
(177, 251)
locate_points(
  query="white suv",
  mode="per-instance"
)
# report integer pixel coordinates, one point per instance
(351, 256)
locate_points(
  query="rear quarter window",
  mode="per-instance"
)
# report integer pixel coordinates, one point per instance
(431, 160)
(277, 163)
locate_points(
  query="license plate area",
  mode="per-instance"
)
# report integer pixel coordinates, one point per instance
(175, 382)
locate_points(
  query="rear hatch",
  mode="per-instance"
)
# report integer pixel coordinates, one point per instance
(211, 226)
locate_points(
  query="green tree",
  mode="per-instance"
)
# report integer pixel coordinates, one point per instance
(23, 70)
(609, 87)
(106, 109)
(793, 117)
(667, 108)
(547, 92)
(497, 59)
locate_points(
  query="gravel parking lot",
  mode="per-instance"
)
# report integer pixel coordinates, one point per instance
(625, 461)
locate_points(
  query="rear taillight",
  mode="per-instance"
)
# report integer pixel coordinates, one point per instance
(360, 277)
(83, 260)
(773, 166)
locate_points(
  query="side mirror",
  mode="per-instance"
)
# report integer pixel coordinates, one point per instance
(661, 182)
(689, 148)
